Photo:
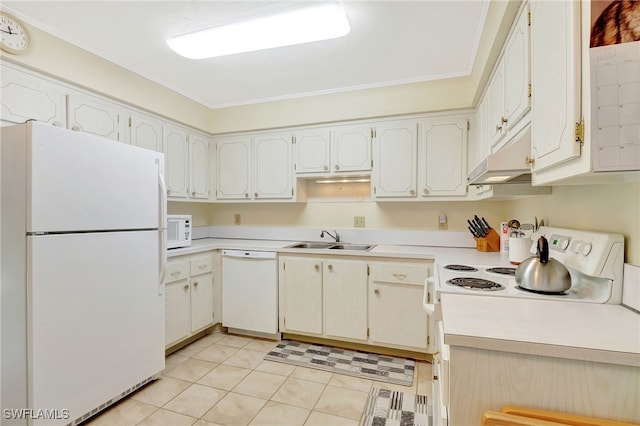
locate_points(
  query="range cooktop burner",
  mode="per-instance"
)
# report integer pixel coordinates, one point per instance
(503, 271)
(475, 284)
(461, 268)
(546, 293)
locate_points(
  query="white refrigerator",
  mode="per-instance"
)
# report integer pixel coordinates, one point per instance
(82, 263)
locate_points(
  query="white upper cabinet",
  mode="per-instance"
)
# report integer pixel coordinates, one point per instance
(507, 93)
(233, 168)
(94, 115)
(351, 148)
(273, 166)
(258, 167)
(555, 79)
(176, 168)
(395, 147)
(199, 166)
(312, 151)
(443, 157)
(145, 131)
(26, 97)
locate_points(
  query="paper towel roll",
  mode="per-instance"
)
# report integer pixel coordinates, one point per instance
(519, 249)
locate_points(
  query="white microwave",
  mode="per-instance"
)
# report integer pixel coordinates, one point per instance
(178, 230)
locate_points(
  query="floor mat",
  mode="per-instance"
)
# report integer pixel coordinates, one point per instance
(366, 365)
(395, 408)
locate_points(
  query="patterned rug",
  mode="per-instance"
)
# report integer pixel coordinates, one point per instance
(395, 408)
(342, 361)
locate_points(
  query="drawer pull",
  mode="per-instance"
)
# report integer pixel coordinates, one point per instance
(175, 274)
(400, 276)
(186, 287)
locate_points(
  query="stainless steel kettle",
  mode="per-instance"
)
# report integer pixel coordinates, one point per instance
(541, 273)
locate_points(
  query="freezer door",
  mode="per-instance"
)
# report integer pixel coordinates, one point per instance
(80, 182)
(96, 320)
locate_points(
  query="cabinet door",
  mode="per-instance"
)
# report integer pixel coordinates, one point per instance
(233, 162)
(176, 151)
(93, 115)
(177, 311)
(312, 151)
(497, 119)
(345, 299)
(25, 97)
(198, 166)
(395, 160)
(201, 301)
(273, 166)
(516, 72)
(351, 149)
(397, 317)
(443, 157)
(301, 284)
(145, 131)
(555, 80)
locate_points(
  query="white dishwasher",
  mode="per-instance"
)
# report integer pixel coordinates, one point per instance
(250, 292)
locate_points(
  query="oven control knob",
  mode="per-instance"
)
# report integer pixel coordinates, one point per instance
(585, 249)
(564, 244)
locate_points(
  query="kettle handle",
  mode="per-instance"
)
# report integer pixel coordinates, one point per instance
(543, 250)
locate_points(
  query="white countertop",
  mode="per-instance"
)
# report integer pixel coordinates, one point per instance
(439, 254)
(584, 331)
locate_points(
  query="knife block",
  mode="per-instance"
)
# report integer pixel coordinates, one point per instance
(490, 242)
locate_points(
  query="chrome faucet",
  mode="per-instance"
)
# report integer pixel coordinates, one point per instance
(335, 237)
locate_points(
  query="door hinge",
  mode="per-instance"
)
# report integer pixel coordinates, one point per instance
(373, 133)
(293, 139)
(372, 163)
(468, 125)
(529, 18)
(368, 270)
(368, 334)
(374, 190)
(428, 339)
(129, 121)
(579, 131)
(529, 89)
(284, 266)
(295, 167)
(292, 192)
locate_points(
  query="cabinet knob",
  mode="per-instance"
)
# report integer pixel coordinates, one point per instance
(325, 167)
(186, 287)
(195, 284)
(317, 267)
(425, 191)
(337, 167)
(255, 194)
(412, 191)
(529, 160)
(75, 128)
(246, 195)
(57, 124)
(193, 193)
(330, 267)
(498, 128)
(168, 192)
(376, 291)
(504, 120)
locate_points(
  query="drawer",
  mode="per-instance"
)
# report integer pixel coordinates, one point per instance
(400, 273)
(176, 271)
(201, 265)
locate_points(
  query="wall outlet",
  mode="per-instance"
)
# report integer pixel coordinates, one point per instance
(358, 221)
(442, 222)
(237, 219)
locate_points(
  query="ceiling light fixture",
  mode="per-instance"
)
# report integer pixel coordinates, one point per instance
(301, 26)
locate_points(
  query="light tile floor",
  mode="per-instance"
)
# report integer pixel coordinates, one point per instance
(222, 379)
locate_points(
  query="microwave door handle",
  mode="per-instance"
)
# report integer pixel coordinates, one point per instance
(162, 200)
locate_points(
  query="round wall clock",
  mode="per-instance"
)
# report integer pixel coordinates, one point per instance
(14, 37)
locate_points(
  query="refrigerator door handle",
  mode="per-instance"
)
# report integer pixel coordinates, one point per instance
(162, 230)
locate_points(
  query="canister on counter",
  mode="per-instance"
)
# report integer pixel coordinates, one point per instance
(504, 237)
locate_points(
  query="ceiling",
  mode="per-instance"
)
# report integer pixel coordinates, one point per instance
(391, 42)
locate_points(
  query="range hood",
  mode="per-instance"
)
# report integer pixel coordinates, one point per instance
(507, 166)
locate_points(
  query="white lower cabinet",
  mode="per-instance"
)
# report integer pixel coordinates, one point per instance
(190, 296)
(373, 302)
(396, 317)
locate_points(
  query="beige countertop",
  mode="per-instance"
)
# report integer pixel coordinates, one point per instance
(582, 331)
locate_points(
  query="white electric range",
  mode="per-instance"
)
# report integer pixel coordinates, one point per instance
(594, 260)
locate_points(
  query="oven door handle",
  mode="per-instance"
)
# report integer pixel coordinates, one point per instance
(428, 297)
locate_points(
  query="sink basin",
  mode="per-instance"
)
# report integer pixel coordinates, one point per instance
(341, 246)
(311, 245)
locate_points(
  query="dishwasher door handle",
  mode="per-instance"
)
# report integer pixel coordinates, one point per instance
(249, 254)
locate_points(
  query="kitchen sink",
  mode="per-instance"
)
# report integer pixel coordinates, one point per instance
(341, 246)
(331, 246)
(311, 245)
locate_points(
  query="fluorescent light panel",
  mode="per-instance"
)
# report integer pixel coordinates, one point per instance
(354, 179)
(301, 26)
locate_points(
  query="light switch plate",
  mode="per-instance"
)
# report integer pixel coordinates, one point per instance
(237, 219)
(358, 221)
